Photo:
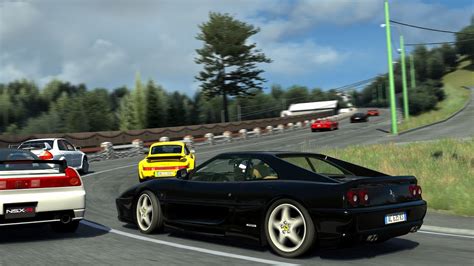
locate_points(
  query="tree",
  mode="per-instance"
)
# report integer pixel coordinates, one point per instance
(296, 94)
(421, 56)
(126, 114)
(5, 106)
(138, 97)
(435, 66)
(156, 107)
(449, 55)
(465, 41)
(230, 64)
(98, 110)
(176, 109)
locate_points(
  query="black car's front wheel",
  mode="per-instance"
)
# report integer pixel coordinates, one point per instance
(289, 228)
(148, 213)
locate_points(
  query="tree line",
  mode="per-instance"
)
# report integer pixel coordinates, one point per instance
(62, 107)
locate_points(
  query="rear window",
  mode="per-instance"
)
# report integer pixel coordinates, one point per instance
(36, 145)
(166, 149)
(299, 161)
(316, 165)
(7, 155)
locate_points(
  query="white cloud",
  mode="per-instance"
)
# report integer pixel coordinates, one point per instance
(103, 43)
(295, 59)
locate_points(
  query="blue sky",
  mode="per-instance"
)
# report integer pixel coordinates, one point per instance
(102, 43)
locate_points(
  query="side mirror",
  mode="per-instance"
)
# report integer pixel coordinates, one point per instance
(182, 174)
(192, 151)
(78, 148)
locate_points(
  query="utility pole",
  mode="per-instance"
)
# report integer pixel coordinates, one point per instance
(404, 80)
(412, 72)
(393, 109)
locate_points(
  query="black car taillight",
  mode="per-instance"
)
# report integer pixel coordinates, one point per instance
(415, 191)
(356, 197)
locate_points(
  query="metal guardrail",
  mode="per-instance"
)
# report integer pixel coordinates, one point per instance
(136, 148)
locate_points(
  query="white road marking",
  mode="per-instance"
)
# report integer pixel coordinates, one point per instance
(110, 170)
(444, 234)
(171, 244)
(447, 231)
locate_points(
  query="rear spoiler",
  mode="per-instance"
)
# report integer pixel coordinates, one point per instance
(383, 180)
(61, 163)
(164, 156)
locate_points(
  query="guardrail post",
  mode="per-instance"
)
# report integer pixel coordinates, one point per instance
(163, 139)
(281, 128)
(189, 140)
(269, 130)
(257, 132)
(227, 136)
(243, 133)
(306, 123)
(299, 124)
(107, 150)
(137, 147)
(210, 138)
(290, 126)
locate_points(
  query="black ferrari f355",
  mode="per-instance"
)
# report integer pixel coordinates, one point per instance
(284, 199)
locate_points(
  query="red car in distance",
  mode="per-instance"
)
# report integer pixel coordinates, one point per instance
(324, 124)
(373, 112)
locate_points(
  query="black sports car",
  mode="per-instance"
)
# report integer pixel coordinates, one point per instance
(359, 117)
(288, 200)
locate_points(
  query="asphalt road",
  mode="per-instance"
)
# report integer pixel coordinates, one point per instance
(105, 240)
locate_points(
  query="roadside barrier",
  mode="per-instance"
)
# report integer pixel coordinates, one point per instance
(137, 147)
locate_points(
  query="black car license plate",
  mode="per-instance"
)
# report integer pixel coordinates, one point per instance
(19, 211)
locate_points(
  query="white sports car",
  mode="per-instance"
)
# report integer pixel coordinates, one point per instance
(58, 149)
(32, 191)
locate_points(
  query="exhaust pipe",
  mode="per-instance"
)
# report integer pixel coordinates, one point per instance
(414, 229)
(372, 238)
(65, 219)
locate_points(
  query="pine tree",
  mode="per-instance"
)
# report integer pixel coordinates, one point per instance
(230, 64)
(139, 103)
(156, 108)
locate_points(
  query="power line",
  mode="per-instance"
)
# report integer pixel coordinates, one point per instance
(434, 43)
(430, 29)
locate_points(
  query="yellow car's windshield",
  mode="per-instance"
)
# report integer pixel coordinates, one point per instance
(166, 149)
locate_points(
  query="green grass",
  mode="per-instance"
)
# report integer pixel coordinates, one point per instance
(444, 169)
(456, 97)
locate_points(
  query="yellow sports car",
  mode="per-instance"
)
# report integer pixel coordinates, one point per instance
(165, 159)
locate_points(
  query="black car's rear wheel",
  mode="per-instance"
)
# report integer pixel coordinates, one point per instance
(289, 228)
(148, 213)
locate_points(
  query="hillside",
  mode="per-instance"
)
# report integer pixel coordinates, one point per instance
(456, 97)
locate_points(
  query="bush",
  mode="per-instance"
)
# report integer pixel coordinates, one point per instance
(421, 100)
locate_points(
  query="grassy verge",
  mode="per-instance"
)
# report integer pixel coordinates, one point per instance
(456, 97)
(444, 169)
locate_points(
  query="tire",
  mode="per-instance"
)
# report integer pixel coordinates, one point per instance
(70, 227)
(292, 236)
(85, 166)
(313, 130)
(148, 214)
